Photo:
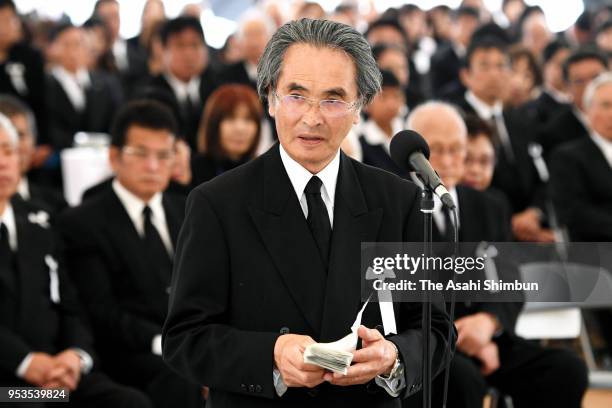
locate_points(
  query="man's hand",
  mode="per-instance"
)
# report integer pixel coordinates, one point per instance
(526, 225)
(39, 368)
(67, 371)
(377, 356)
(489, 357)
(475, 332)
(289, 360)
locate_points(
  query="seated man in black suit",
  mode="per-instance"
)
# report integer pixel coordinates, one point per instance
(268, 257)
(581, 171)
(485, 75)
(383, 123)
(580, 68)
(43, 341)
(489, 353)
(119, 247)
(24, 122)
(188, 78)
(553, 97)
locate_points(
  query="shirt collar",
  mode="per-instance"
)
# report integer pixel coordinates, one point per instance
(251, 70)
(374, 135)
(8, 219)
(183, 90)
(134, 205)
(484, 110)
(81, 77)
(604, 145)
(299, 176)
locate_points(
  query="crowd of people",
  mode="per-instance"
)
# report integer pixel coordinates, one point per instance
(518, 120)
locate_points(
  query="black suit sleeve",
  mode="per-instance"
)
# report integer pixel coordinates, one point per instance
(91, 274)
(571, 197)
(196, 342)
(13, 349)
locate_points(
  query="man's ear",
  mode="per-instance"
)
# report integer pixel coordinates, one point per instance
(464, 76)
(357, 116)
(271, 105)
(114, 157)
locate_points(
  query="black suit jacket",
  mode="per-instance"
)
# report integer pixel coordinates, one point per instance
(32, 63)
(518, 179)
(102, 99)
(107, 261)
(47, 198)
(33, 322)
(235, 73)
(445, 68)
(247, 270)
(562, 128)
(544, 108)
(581, 181)
(159, 88)
(483, 218)
(377, 156)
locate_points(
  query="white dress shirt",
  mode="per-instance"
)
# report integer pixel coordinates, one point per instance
(134, 207)
(74, 85)
(496, 113)
(299, 177)
(604, 145)
(185, 90)
(120, 53)
(8, 219)
(438, 215)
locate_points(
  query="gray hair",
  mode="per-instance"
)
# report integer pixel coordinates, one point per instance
(255, 14)
(11, 106)
(320, 33)
(7, 126)
(426, 107)
(604, 78)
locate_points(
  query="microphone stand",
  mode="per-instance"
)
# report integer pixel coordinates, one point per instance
(427, 207)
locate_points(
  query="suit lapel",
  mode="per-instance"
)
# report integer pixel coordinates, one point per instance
(353, 224)
(285, 234)
(173, 219)
(29, 257)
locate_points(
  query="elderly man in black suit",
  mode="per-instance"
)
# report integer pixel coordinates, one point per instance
(488, 351)
(268, 257)
(120, 246)
(43, 341)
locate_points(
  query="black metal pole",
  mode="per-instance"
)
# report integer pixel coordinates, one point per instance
(427, 207)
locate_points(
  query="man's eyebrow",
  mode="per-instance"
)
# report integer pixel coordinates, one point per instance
(336, 92)
(294, 86)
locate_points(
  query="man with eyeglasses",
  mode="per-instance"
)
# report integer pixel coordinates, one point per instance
(570, 123)
(119, 249)
(268, 259)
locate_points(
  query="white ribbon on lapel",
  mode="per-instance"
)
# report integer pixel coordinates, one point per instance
(40, 218)
(488, 252)
(385, 300)
(53, 279)
(15, 71)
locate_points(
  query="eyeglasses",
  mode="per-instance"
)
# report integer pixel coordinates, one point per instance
(162, 156)
(332, 108)
(453, 151)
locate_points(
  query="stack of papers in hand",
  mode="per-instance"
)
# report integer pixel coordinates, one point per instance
(336, 356)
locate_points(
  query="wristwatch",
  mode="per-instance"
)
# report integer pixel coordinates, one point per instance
(396, 365)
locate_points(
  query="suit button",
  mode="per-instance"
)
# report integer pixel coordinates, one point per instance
(168, 290)
(243, 387)
(313, 392)
(258, 389)
(284, 330)
(251, 388)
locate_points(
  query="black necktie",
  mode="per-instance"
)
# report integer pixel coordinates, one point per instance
(8, 279)
(318, 218)
(449, 232)
(156, 250)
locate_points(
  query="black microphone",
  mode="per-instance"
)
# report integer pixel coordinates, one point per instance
(410, 151)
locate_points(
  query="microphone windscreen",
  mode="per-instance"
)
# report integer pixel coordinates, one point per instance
(405, 143)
